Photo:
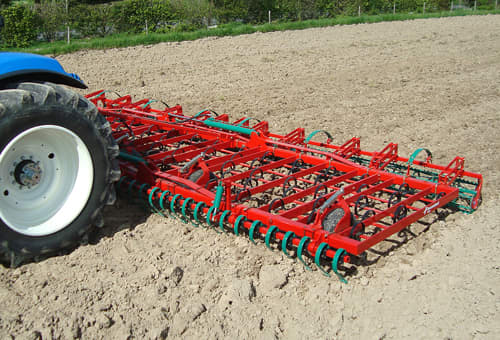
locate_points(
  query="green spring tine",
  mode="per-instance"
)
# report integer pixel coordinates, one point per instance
(141, 188)
(303, 241)
(311, 135)
(162, 198)
(119, 184)
(269, 233)
(317, 257)
(209, 215)
(195, 213)
(172, 203)
(185, 219)
(244, 121)
(151, 101)
(335, 262)
(252, 229)
(97, 95)
(221, 221)
(130, 185)
(150, 199)
(284, 242)
(237, 223)
(415, 154)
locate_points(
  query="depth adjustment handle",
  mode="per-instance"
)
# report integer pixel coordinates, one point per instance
(330, 201)
(192, 162)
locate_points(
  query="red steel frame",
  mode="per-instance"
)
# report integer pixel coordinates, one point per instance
(275, 186)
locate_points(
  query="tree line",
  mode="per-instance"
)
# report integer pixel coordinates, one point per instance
(24, 22)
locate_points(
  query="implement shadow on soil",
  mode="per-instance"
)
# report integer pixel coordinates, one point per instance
(126, 214)
(409, 234)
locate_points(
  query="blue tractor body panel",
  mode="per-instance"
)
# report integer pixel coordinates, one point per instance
(31, 67)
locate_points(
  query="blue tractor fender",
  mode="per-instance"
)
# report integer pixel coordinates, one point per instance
(31, 67)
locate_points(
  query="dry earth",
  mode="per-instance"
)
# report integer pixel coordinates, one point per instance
(432, 83)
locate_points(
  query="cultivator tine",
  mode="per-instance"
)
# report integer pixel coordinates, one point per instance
(309, 198)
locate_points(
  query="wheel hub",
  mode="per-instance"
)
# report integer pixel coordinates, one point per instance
(28, 173)
(46, 176)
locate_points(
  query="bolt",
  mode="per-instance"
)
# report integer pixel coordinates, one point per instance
(11, 173)
(22, 158)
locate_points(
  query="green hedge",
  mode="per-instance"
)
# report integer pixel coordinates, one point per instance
(19, 26)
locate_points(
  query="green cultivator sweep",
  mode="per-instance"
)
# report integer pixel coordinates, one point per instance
(329, 202)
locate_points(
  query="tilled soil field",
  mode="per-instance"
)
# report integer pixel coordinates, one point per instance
(423, 83)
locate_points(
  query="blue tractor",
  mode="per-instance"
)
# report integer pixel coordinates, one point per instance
(57, 159)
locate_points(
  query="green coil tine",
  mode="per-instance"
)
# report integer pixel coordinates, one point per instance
(141, 188)
(151, 101)
(142, 200)
(311, 135)
(209, 215)
(415, 154)
(119, 184)
(172, 203)
(97, 95)
(196, 224)
(237, 223)
(317, 257)
(244, 121)
(150, 199)
(162, 198)
(284, 242)
(300, 249)
(129, 190)
(221, 220)
(269, 233)
(185, 219)
(335, 262)
(252, 229)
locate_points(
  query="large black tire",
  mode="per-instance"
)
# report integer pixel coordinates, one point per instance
(70, 127)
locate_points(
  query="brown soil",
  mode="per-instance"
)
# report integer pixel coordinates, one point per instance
(422, 83)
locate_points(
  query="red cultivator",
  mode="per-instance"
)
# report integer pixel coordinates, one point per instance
(330, 202)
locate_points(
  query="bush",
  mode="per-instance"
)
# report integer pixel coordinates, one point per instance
(184, 27)
(193, 13)
(52, 15)
(92, 21)
(134, 15)
(19, 26)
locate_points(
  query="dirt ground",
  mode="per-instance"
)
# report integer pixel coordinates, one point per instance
(423, 83)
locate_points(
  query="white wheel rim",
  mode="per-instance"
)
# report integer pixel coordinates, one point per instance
(62, 188)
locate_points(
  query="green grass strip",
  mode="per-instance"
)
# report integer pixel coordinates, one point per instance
(234, 29)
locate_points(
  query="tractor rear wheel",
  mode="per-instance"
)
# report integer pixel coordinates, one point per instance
(57, 170)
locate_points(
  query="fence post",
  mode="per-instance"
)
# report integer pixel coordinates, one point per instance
(424, 8)
(394, 8)
(67, 20)
(475, 4)
(269, 15)
(496, 4)
(359, 11)
(451, 7)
